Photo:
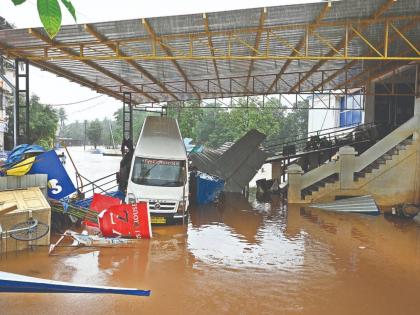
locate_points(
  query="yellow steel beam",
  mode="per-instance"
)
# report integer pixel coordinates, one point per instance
(343, 43)
(363, 38)
(359, 76)
(249, 30)
(322, 59)
(91, 30)
(412, 46)
(69, 75)
(263, 16)
(203, 35)
(90, 63)
(286, 43)
(303, 41)
(152, 34)
(373, 68)
(212, 50)
(326, 42)
(387, 41)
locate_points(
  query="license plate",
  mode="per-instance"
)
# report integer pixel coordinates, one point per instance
(158, 220)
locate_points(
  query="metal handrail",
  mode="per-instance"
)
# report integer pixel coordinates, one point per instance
(331, 137)
(97, 184)
(317, 133)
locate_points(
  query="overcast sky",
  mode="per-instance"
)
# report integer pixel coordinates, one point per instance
(55, 90)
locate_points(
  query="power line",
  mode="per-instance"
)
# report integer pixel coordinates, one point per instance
(78, 102)
(85, 109)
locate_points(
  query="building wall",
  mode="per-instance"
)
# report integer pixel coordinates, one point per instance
(323, 118)
(320, 119)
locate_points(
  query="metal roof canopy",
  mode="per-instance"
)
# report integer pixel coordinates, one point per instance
(285, 49)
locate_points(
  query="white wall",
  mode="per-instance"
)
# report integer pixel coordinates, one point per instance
(320, 119)
(323, 118)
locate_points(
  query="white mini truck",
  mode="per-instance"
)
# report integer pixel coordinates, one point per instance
(159, 171)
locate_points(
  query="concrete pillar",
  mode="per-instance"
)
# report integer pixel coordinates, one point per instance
(276, 171)
(294, 174)
(347, 158)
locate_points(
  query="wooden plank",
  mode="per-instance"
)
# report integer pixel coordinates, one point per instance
(9, 208)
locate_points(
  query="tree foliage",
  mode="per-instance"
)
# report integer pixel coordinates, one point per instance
(94, 132)
(215, 126)
(212, 126)
(49, 12)
(43, 123)
(138, 119)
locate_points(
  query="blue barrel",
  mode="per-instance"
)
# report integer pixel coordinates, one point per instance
(208, 188)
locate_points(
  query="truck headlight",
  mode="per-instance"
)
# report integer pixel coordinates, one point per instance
(131, 198)
(181, 206)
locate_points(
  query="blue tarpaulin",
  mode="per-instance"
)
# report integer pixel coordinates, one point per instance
(19, 152)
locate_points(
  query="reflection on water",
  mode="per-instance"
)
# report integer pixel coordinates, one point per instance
(236, 235)
(241, 257)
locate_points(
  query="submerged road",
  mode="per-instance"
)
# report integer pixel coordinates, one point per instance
(240, 258)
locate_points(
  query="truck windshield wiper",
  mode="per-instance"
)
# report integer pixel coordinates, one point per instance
(148, 171)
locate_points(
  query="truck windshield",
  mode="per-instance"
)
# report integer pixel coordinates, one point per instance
(154, 172)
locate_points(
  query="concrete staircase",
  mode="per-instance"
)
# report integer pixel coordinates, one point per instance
(383, 161)
(331, 185)
(388, 170)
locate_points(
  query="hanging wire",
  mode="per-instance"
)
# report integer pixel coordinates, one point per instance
(78, 102)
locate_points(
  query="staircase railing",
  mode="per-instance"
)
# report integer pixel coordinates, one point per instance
(369, 156)
(387, 143)
(328, 137)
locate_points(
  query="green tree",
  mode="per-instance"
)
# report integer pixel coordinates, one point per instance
(215, 126)
(94, 132)
(189, 118)
(49, 12)
(74, 130)
(43, 123)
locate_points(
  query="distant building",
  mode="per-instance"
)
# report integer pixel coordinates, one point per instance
(343, 113)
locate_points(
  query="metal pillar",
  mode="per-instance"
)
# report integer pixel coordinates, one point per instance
(127, 116)
(21, 106)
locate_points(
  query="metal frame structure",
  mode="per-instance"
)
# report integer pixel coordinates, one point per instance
(127, 116)
(312, 47)
(273, 36)
(21, 112)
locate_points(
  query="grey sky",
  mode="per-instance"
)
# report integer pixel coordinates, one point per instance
(56, 90)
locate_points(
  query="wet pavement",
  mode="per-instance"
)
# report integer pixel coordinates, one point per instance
(240, 258)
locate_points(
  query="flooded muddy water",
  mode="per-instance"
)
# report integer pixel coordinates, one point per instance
(240, 258)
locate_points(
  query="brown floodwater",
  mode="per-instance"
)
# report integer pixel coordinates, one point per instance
(240, 258)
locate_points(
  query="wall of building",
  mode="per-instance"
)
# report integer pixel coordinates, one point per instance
(323, 118)
(329, 118)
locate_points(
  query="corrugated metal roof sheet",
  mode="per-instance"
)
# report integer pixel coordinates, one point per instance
(162, 80)
(236, 163)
